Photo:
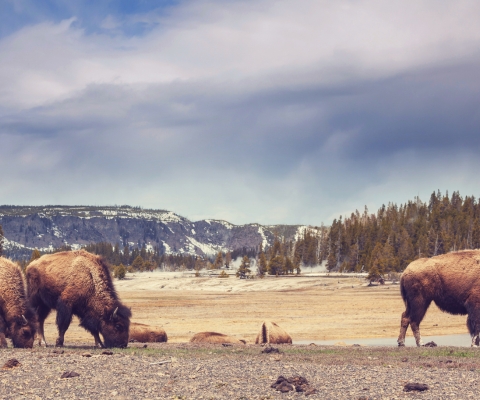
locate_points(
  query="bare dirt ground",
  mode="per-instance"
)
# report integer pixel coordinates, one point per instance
(188, 371)
(308, 308)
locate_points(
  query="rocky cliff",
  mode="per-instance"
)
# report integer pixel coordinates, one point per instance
(49, 227)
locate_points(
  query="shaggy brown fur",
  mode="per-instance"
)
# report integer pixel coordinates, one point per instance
(146, 333)
(270, 332)
(17, 319)
(451, 281)
(214, 337)
(78, 283)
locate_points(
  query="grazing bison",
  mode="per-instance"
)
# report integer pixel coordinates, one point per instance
(452, 281)
(78, 283)
(146, 333)
(17, 319)
(214, 337)
(270, 332)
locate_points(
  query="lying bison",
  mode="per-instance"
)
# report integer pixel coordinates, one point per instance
(17, 319)
(78, 283)
(146, 333)
(270, 332)
(452, 281)
(214, 337)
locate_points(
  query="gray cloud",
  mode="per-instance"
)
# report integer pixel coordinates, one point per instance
(278, 141)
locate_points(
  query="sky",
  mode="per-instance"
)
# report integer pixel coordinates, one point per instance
(267, 111)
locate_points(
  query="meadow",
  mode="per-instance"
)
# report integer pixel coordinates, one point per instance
(308, 308)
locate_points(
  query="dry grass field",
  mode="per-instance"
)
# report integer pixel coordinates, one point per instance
(309, 308)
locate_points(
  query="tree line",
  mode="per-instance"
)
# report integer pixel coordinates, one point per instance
(378, 243)
(396, 235)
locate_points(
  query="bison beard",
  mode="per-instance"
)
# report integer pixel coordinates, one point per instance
(451, 281)
(78, 283)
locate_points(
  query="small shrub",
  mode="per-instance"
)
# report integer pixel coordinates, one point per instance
(223, 274)
(120, 271)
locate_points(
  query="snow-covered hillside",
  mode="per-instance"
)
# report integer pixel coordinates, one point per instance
(48, 227)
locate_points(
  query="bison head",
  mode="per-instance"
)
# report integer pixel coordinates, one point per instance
(115, 325)
(22, 331)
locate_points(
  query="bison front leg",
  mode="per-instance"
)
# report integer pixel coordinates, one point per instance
(98, 341)
(42, 314)
(64, 318)
(3, 328)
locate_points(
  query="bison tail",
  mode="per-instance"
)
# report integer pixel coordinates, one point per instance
(403, 291)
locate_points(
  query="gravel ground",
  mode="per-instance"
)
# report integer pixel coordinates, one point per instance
(188, 371)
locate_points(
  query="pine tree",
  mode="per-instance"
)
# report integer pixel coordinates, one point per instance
(331, 262)
(138, 263)
(35, 255)
(228, 259)
(148, 266)
(276, 265)
(218, 261)
(288, 267)
(244, 269)
(262, 264)
(120, 271)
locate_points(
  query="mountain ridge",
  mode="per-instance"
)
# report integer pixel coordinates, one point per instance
(53, 226)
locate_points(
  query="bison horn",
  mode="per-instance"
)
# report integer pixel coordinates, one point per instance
(114, 316)
(25, 322)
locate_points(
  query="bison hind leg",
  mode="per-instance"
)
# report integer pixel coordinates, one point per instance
(416, 308)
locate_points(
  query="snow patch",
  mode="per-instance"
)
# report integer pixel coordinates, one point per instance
(168, 250)
(56, 231)
(300, 232)
(264, 238)
(209, 250)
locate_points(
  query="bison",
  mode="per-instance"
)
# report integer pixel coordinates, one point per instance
(270, 332)
(451, 281)
(17, 319)
(214, 337)
(78, 283)
(146, 334)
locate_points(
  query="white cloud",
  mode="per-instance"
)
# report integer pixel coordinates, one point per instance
(268, 111)
(264, 40)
